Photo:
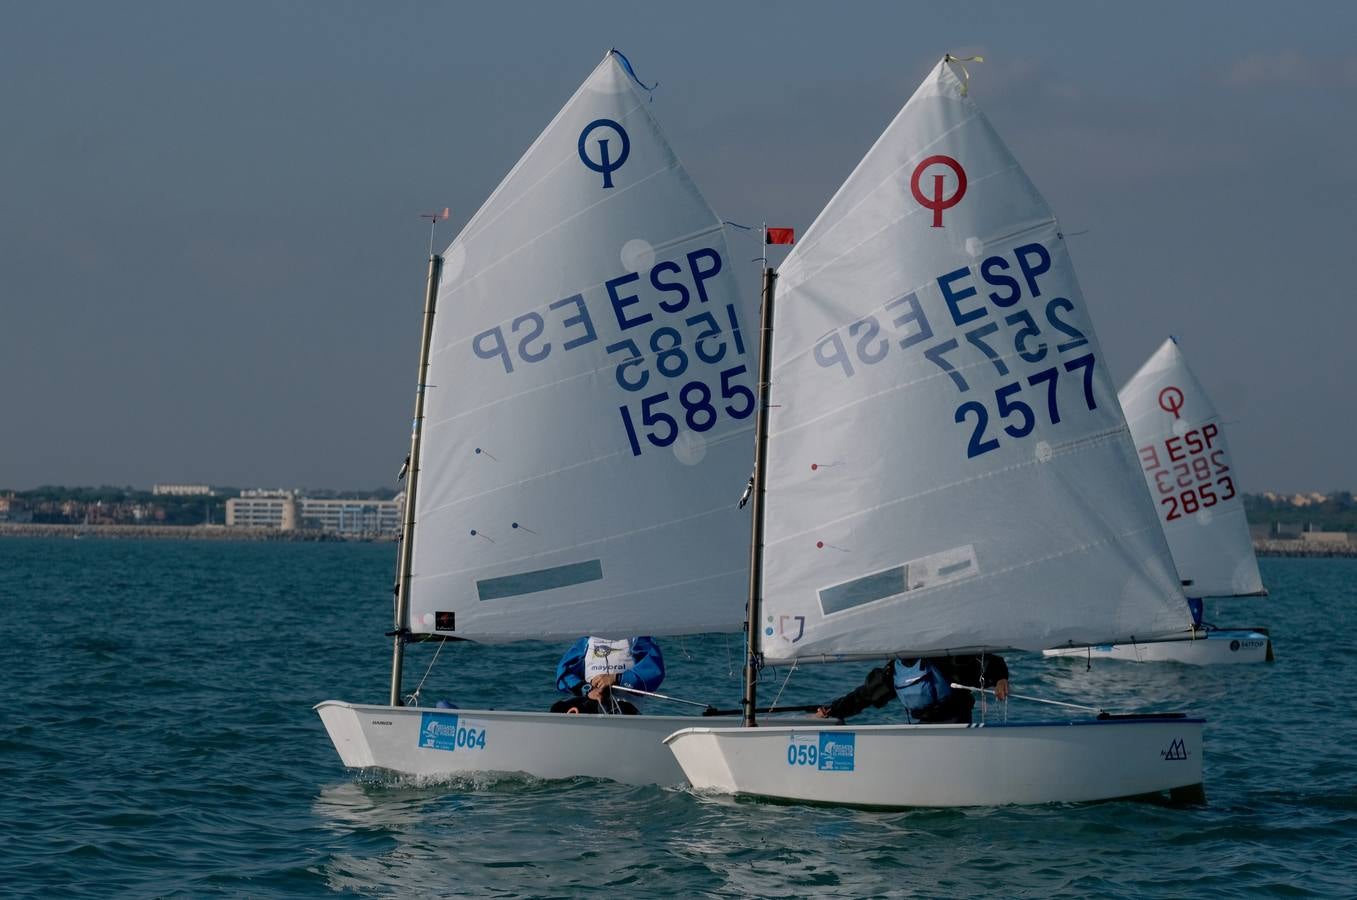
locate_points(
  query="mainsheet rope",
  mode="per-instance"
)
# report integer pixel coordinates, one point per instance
(413, 699)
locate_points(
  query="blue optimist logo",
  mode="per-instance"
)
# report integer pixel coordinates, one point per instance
(602, 131)
(837, 751)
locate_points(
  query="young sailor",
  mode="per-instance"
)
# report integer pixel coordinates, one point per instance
(593, 665)
(923, 686)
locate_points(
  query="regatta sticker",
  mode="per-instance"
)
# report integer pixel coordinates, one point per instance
(837, 751)
(825, 751)
(447, 731)
(1177, 751)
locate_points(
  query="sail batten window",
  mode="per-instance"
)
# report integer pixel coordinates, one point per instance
(925, 572)
(540, 580)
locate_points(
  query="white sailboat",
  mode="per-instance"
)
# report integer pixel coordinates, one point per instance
(945, 470)
(1181, 443)
(582, 430)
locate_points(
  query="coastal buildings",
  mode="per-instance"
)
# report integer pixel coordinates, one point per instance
(288, 511)
(183, 490)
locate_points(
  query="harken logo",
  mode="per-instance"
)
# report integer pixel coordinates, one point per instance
(1177, 751)
(605, 163)
(938, 202)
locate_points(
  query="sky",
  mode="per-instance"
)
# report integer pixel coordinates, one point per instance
(212, 261)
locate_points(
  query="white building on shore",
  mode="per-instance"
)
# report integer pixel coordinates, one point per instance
(182, 490)
(286, 511)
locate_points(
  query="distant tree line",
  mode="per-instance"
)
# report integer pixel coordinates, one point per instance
(1336, 512)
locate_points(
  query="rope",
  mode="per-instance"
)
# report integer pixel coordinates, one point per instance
(413, 699)
(790, 672)
(967, 687)
(619, 687)
(966, 80)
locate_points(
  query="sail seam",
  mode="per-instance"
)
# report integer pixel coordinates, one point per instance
(489, 267)
(1108, 436)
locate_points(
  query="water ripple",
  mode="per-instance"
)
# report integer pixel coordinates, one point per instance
(172, 751)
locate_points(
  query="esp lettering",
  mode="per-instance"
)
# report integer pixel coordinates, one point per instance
(1031, 260)
(573, 321)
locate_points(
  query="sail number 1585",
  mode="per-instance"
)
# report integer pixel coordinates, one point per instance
(693, 403)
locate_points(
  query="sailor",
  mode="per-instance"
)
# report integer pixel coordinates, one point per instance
(1195, 604)
(923, 686)
(592, 665)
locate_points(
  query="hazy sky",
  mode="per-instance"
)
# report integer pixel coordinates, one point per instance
(211, 261)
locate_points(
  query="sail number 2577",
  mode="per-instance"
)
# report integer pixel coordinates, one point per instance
(1008, 406)
(998, 323)
(1017, 403)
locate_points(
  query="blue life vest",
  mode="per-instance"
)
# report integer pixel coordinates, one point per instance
(920, 685)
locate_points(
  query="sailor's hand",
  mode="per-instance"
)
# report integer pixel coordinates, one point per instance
(596, 694)
(602, 681)
(1001, 689)
(822, 713)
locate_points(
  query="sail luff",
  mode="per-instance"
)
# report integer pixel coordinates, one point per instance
(753, 624)
(406, 557)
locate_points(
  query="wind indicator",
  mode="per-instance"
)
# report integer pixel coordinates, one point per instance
(768, 235)
(434, 218)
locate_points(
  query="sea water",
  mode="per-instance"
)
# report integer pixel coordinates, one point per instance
(157, 739)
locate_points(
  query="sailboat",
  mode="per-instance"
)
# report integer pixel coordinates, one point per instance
(582, 429)
(942, 468)
(1181, 443)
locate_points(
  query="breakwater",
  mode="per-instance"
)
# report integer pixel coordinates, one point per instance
(169, 532)
(1316, 549)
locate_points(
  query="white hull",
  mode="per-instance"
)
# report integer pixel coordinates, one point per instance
(1218, 647)
(629, 749)
(947, 765)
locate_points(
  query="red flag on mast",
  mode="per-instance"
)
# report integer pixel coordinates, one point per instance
(781, 235)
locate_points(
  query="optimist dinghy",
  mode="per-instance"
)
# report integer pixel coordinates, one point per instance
(582, 427)
(942, 467)
(1181, 443)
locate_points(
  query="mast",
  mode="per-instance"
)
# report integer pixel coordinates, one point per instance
(755, 601)
(405, 562)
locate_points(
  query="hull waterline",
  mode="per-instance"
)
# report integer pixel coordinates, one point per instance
(1218, 647)
(435, 743)
(948, 765)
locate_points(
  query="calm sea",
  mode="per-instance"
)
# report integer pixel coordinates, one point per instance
(157, 739)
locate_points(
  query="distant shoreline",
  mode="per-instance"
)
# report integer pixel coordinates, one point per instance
(178, 533)
(311, 535)
(1305, 548)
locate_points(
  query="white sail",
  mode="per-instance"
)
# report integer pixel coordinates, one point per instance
(1191, 476)
(589, 408)
(948, 467)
